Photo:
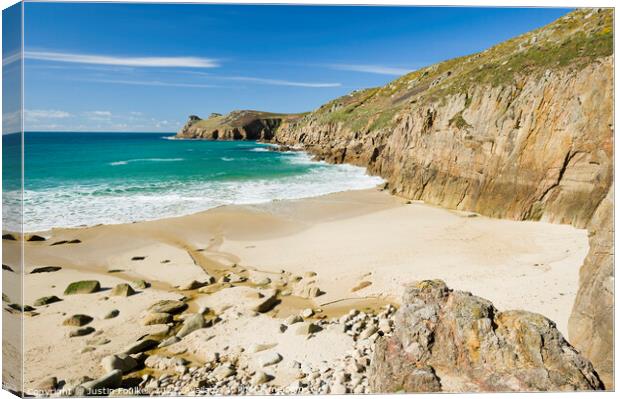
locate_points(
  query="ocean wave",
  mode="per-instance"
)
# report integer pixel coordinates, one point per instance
(116, 163)
(122, 202)
(226, 159)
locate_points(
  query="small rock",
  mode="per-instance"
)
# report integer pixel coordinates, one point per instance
(156, 318)
(46, 300)
(223, 371)
(45, 269)
(191, 324)
(307, 313)
(265, 304)
(192, 285)
(307, 328)
(123, 289)
(47, 385)
(35, 237)
(81, 332)
(83, 287)
(368, 332)
(270, 359)
(77, 320)
(140, 346)
(111, 314)
(260, 378)
(169, 341)
(293, 319)
(168, 306)
(110, 381)
(121, 362)
(141, 284)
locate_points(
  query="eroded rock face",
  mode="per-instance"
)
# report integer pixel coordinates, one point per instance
(237, 125)
(537, 146)
(591, 323)
(447, 340)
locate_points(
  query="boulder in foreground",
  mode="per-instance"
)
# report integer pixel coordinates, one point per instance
(447, 340)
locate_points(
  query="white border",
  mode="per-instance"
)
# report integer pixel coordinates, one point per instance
(475, 3)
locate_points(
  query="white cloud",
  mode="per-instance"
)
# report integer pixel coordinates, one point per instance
(149, 83)
(161, 62)
(376, 69)
(36, 114)
(11, 58)
(278, 82)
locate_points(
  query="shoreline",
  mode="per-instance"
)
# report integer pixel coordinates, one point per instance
(354, 249)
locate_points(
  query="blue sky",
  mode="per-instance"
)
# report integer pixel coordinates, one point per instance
(146, 67)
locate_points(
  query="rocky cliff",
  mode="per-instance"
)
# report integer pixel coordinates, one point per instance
(446, 340)
(237, 125)
(523, 130)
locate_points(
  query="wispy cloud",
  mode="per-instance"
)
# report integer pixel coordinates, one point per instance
(35, 114)
(149, 83)
(159, 62)
(278, 82)
(376, 69)
(11, 58)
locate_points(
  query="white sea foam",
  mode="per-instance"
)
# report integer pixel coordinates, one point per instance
(226, 159)
(146, 160)
(110, 203)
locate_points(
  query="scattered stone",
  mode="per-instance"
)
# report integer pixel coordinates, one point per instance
(141, 284)
(76, 241)
(98, 341)
(269, 359)
(307, 313)
(292, 319)
(59, 242)
(140, 346)
(35, 237)
(122, 289)
(46, 300)
(307, 328)
(168, 306)
(156, 318)
(7, 268)
(361, 285)
(137, 258)
(260, 378)
(169, 341)
(111, 380)
(45, 269)
(83, 287)
(193, 285)
(9, 237)
(254, 348)
(20, 308)
(111, 314)
(121, 362)
(77, 320)
(260, 280)
(265, 304)
(191, 324)
(87, 349)
(79, 332)
(224, 371)
(368, 332)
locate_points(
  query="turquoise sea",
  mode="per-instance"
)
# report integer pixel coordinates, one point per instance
(74, 179)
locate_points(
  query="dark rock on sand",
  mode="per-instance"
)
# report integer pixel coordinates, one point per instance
(77, 320)
(123, 289)
(83, 287)
(45, 269)
(46, 300)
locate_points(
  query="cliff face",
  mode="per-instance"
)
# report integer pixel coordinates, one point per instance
(523, 131)
(446, 340)
(237, 125)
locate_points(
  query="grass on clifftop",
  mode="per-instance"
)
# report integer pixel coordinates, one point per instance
(571, 42)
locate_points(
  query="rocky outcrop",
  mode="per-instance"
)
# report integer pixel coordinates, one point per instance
(237, 125)
(447, 340)
(523, 130)
(591, 325)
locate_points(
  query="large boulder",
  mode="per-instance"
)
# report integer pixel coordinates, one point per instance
(83, 287)
(447, 340)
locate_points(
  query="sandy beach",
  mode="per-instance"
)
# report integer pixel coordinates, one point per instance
(331, 254)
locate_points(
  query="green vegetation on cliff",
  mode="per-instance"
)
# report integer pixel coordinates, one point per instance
(572, 41)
